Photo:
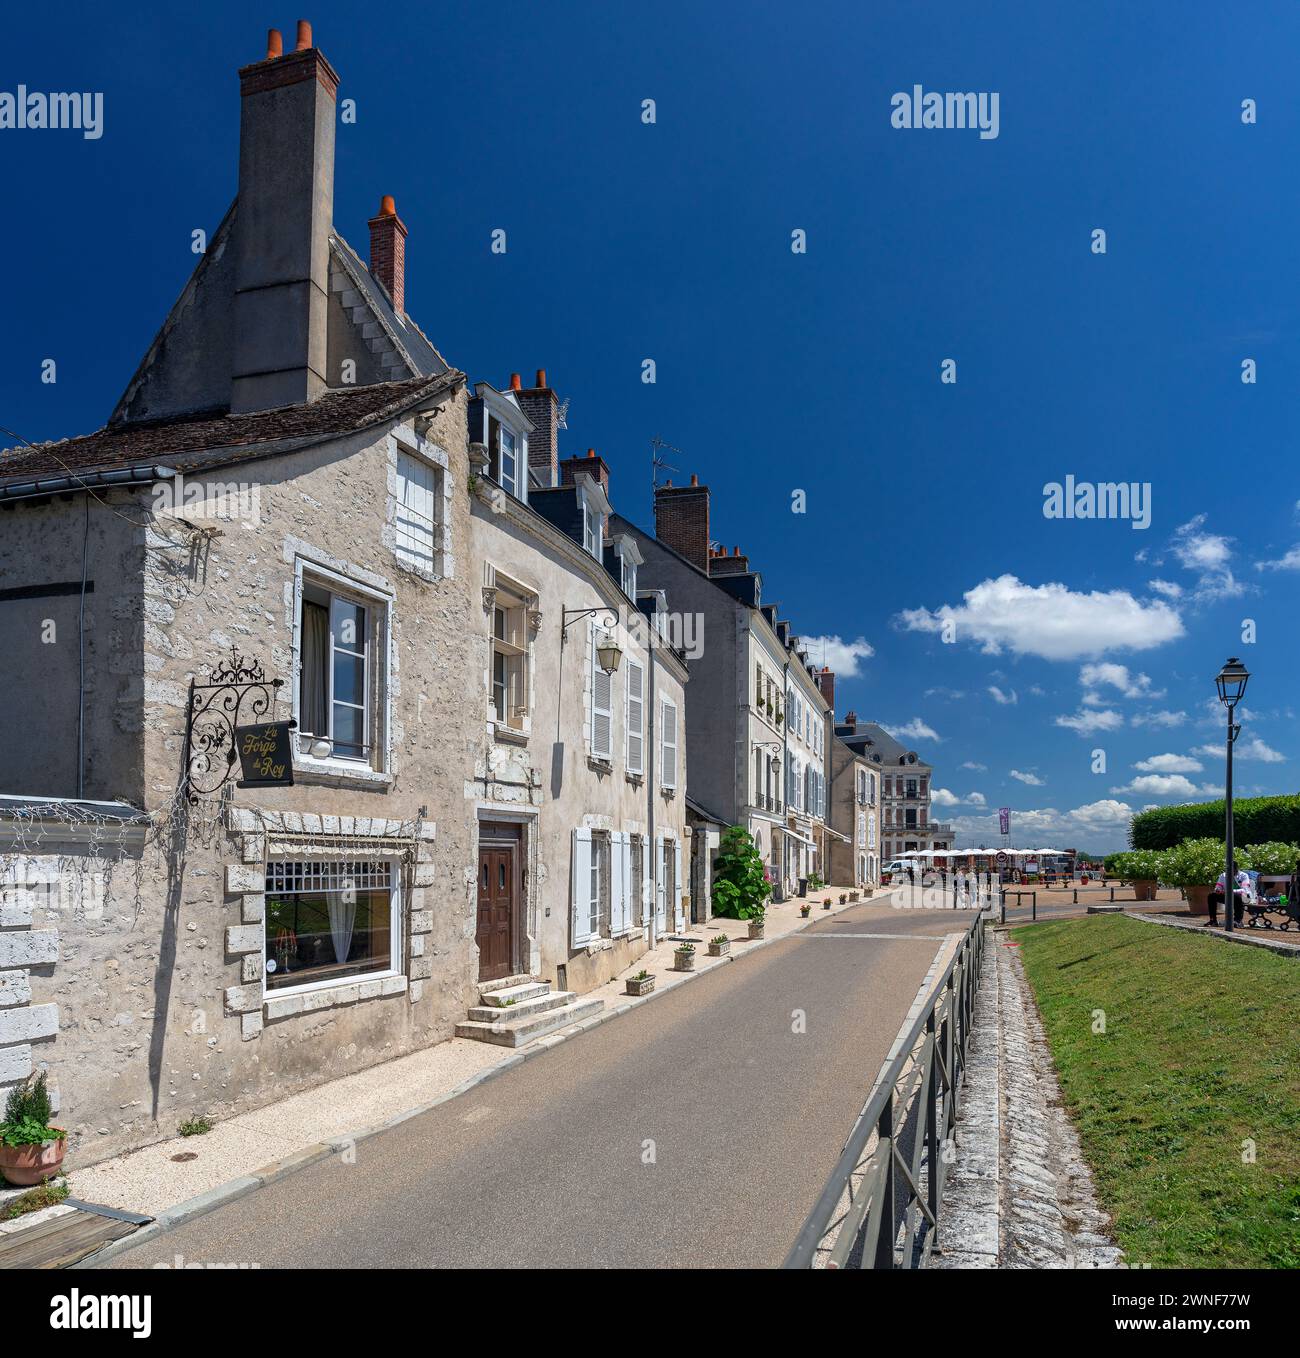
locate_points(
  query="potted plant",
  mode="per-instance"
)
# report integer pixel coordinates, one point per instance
(1194, 865)
(1274, 861)
(1141, 867)
(719, 946)
(684, 957)
(806, 909)
(756, 923)
(640, 984)
(741, 887)
(31, 1150)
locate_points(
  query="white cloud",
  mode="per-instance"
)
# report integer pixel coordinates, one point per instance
(1107, 674)
(1098, 826)
(941, 796)
(975, 799)
(1162, 719)
(1032, 779)
(1254, 748)
(1169, 763)
(842, 657)
(1051, 621)
(978, 768)
(1084, 723)
(1208, 555)
(953, 694)
(998, 696)
(1161, 785)
(1167, 588)
(1289, 562)
(915, 729)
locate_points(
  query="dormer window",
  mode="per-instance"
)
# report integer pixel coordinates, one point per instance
(590, 530)
(629, 558)
(594, 505)
(508, 461)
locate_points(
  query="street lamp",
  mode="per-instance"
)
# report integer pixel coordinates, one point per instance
(1231, 683)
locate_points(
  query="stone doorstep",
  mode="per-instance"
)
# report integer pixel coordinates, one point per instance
(535, 1004)
(516, 1032)
(526, 990)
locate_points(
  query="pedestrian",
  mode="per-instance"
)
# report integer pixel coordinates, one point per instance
(1244, 892)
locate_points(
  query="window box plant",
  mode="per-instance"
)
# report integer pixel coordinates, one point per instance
(31, 1150)
(719, 946)
(684, 957)
(640, 984)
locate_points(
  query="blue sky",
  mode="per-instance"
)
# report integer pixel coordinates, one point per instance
(820, 371)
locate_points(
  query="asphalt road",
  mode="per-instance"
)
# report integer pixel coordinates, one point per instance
(696, 1131)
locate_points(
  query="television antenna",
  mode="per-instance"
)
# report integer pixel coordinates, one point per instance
(658, 462)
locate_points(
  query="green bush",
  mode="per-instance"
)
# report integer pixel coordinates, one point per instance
(1275, 858)
(1137, 865)
(740, 883)
(1195, 862)
(1257, 820)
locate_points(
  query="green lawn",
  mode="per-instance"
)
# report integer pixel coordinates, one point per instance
(1201, 1051)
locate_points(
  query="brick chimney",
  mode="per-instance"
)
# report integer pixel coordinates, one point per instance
(851, 721)
(282, 226)
(826, 683)
(720, 563)
(388, 253)
(542, 406)
(593, 465)
(682, 520)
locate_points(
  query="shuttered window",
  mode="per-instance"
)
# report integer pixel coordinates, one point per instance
(635, 717)
(669, 749)
(417, 516)
(602, 704)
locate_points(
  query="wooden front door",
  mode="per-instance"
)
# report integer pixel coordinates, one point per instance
(498, 895)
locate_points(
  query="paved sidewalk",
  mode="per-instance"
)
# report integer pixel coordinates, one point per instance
(260, 1145)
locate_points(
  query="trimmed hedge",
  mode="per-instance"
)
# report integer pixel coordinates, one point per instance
(1256, 821)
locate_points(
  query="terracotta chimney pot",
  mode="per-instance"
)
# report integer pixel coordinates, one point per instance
(274, 44)
(304, 36)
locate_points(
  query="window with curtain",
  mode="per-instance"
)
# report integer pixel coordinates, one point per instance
(327, 921)
(334, 699)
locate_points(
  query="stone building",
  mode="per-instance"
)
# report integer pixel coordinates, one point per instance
(905, 789)
(581, 772)
(282, 522)
(753, 706)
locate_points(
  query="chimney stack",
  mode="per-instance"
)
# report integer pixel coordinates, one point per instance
(851, 721)
(826, 683)
(388, 253)
(282, 226)
(682, 521)
(542, 406)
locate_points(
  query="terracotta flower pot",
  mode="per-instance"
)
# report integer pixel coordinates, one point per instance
(1146, 891)
(1198, 899)
(24, 1166)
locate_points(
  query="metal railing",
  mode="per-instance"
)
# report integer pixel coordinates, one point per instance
(880, 1207)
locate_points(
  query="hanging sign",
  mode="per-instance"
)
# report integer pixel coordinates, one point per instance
(266, 754)
(1004, 820)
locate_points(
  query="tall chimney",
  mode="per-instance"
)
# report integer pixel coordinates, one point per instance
(682, 521)
(388, 253)
(542, 406)
(282, 226)
(826, 683)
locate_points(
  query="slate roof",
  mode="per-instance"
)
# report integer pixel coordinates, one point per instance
(213, 440)
(872, 736)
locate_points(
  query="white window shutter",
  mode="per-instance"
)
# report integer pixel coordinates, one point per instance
(659, 882)
(602, 704)
(617, 883)
(581, 912)
(635, 717)
(679, 922)
(669, 754)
